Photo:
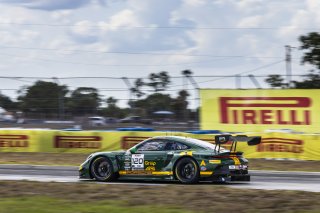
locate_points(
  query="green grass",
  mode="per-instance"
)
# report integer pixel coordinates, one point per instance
(37, 197)
(36, 204)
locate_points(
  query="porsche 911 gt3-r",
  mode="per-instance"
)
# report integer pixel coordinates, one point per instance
(183, 159)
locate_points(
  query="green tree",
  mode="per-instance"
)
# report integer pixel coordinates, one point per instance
(136, 90)
(7, 103)
(276, 81)
(180, 105)
(112, 110)
(42, 97)
(159, 81)
(187, 73)
(312, 81)
(311, 45)
(154, 102)
(84, 100)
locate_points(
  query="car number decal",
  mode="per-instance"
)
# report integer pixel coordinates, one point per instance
(137, 161)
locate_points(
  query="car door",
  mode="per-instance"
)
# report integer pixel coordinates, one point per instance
(150, 156)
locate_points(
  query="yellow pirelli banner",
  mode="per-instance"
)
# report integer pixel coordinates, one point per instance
(260, 109)
(284, 145)
(273, 145)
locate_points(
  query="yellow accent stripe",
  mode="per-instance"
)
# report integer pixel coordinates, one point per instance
(236, 160)
(163, 173)
(206, 173)
(122, 172)
(143, 172)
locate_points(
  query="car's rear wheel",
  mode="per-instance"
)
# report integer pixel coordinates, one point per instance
(102, 169)
(187, 171)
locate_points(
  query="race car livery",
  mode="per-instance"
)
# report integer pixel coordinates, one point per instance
(183, 159)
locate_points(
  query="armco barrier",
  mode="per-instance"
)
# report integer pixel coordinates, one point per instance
(274, 144)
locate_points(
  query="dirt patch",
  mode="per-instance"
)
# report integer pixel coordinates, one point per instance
(200, 198)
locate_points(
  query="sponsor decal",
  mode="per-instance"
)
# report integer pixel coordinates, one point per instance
(203, 168)
(135, 172)
(87, 142)
(203, 163)
(280, 145)
(186, 153)
(215, 161)
(150, 163)
(144, 172)
(150, 168)
(14, 141)
(205, 173)
(137, 161)
(266, 110)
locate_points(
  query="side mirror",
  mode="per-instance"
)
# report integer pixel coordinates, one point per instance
(254, 141)
(133, 150)
(221, 139)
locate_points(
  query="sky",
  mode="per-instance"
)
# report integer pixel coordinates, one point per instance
(42, 39)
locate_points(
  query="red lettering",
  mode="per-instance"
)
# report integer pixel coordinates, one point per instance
(90, 142)
(307, 117)
(265, 117)
(235, 116)
(280, 145)
(14, 141)
(280, 118)
(249, 116)
(294, 118)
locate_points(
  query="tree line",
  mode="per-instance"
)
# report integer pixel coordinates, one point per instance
(50, 98)
(53, 100)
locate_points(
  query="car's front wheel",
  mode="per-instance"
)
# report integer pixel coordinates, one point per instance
(102, 169)
(187, 171)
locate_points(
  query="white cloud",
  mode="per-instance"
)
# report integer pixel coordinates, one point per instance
(49, 4)
(252, 21)
(114, 27)
(125, 18)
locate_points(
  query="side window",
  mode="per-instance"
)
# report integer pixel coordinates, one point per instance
(154, 145)
(181, 146)
(172, 145)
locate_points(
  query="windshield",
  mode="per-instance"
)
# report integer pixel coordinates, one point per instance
(205, 144)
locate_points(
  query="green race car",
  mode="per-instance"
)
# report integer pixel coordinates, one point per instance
(184, 159)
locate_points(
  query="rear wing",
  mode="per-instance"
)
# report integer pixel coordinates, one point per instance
(223, 139)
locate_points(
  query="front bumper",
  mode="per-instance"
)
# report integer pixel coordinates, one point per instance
(84, 172)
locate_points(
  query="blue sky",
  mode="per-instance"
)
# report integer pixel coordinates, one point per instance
(132, 38)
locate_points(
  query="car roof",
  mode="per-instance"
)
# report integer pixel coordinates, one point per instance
(176, 138)
(188, 140)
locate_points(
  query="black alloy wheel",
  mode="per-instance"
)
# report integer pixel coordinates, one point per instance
(102, 169)
(187, 171)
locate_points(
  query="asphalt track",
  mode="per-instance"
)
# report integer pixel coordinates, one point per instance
(267, 180)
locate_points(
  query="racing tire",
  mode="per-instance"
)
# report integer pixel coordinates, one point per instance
(187, 171)
(101, 169)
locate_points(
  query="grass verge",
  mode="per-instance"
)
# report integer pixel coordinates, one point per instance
(53, 205)
(72, 159)
(23, 196)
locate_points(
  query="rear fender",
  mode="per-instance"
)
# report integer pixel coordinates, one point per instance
(182, 157)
